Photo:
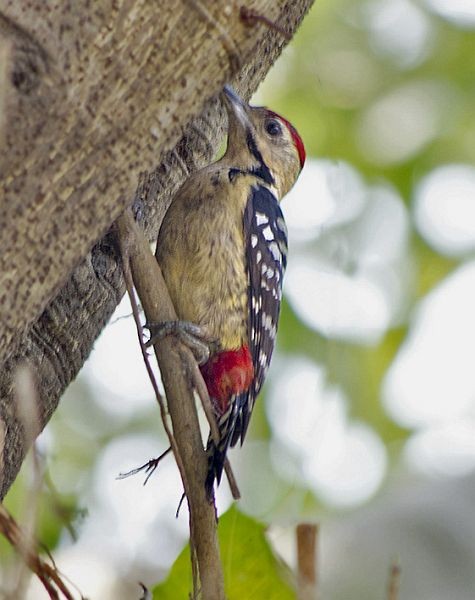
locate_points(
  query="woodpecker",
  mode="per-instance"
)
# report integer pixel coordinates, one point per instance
(222, 248)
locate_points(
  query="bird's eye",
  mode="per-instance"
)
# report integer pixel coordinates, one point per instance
(273, 127)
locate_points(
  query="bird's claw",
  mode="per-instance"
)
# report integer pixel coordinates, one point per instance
(193, 336)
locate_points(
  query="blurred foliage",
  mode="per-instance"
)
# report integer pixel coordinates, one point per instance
(53, 512)
(359, 370)
(325, 83)
(250, 568)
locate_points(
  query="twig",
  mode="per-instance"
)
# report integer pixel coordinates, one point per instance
(250, 17)
(202, 392)
(64, 513)
(394, 580)
(233, 486)
(23, 538)
(27, 547)
(307, 561)
(188, 446)
(224, 37)
(129, 285)
(149, 467)
(122, 318)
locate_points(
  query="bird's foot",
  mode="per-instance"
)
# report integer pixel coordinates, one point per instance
(196, 338)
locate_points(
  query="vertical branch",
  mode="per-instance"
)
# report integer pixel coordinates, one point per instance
(129, 285)
(394, 581)
(171, 357)
(307, 561)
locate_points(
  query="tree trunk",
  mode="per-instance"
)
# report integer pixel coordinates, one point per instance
(95, 97)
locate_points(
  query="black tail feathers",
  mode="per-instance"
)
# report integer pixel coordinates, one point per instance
(216, 460)
(230, 427)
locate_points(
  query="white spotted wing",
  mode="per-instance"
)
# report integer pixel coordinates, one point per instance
(265, 233)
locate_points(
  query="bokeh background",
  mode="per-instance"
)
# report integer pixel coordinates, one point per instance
(367, 422)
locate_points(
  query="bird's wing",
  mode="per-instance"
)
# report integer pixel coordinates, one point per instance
(265, 235)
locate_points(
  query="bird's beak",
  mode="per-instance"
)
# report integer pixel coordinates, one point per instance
(237, 108)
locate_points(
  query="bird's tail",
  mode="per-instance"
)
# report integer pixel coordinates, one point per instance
(228, 427)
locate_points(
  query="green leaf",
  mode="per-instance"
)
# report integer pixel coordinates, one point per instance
(250, 568)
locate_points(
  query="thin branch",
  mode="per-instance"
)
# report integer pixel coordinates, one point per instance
(23, 538)
(27, 548)
(189, 451)
(149, 467)
(250, 17)
(61, 510)
(307, 534)
(203, 395)
(233, 486)
(394, 580)
(129, 284)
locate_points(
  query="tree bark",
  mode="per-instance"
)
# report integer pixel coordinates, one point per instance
(93, 97)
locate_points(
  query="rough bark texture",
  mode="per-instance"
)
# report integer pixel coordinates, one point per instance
(92, 95)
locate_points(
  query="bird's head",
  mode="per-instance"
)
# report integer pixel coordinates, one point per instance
(263, 142)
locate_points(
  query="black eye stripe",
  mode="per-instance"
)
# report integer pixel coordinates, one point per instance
(273, 127)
